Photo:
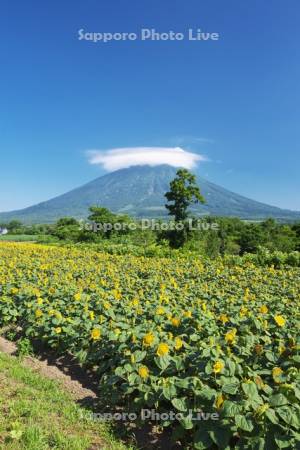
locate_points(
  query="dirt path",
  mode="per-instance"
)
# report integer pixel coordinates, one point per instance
(64, 370)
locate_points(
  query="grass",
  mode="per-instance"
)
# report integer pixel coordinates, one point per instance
(36, 414)
(40, 238)
(18, 237)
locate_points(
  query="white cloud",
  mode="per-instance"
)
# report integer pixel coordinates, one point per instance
(119, 158)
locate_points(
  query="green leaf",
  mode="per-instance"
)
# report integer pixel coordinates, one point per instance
(186, 422)
(128, 368)
(250, 389)
(243, 423)
(139, 356)
(267, 389)
(202, 440)
(182, 383)
(297, 393)
(271, 356)
(194, 337)
(119, 371)
(220, 436)
(180, 404)
(163, 362)
(289, 416)
(255, 402)
(230, 388)
(132, 378)
(169, 391)
(231, 409)
(283, 441)
(208, 368)
(260, 444)
(206, 393)
(271, 415)
(206, 352)
(278, 400)
(178, 362)
(231, 366)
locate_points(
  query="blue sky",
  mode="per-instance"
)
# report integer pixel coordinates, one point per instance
(235, 100)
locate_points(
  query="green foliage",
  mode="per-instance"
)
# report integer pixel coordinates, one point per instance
(48, 239)
(250, 238)
(105, 222)
(183, 193)
(174, 334)
(24, 347)
(14, 226)
(264, 257)
(268, 234)
(233, 237)
(66, 228)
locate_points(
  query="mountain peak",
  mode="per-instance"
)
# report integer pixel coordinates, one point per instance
(139, 191)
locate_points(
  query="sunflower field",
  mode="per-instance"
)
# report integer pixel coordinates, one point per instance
(180, 334)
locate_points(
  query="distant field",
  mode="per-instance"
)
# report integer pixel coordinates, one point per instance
(18, 237)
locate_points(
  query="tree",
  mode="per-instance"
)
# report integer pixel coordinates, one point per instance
(183, 193)
(15, 226)
(66, 221)
(66, 228)
(296, 229)
(107, 222)
(251, 238)
(213, 244)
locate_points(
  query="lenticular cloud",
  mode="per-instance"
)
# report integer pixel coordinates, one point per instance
(120, 158)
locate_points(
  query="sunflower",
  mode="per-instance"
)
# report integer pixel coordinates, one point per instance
(143, 372)
(148, 339)
(95, 334)
(162, 349)
(218, 366)
(280, 320)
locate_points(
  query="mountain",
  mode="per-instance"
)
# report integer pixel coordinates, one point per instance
(139, 191)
